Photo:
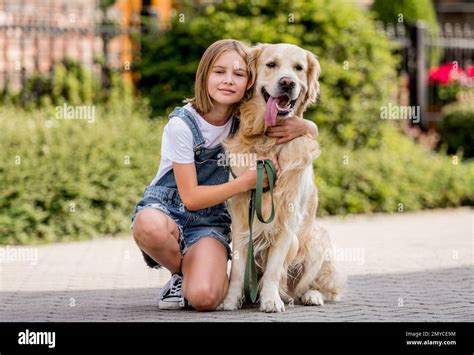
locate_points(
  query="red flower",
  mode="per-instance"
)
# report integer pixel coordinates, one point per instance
(470, 71)
(445, 74)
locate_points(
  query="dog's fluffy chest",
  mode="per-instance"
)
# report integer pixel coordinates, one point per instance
(293, 190)
(296, 154)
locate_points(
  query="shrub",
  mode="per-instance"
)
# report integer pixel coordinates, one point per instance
(399, 176)
(411, 10)
(71, 179)
(68, 81)
(68, 179)
(456, 129)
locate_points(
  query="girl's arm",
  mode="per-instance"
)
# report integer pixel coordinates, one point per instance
(196, 196)
(292, 128)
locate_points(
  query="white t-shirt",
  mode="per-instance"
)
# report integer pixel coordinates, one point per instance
(177, 142)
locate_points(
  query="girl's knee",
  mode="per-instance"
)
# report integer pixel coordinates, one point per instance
(204, 297)
(150, 229)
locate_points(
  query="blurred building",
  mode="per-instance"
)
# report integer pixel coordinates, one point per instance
(447, 11)
(455, 11)
(35, 34)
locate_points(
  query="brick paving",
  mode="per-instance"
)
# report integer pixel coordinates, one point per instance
(403, 267)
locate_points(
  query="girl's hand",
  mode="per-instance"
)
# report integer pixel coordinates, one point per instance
(292, 128)
(249, 177)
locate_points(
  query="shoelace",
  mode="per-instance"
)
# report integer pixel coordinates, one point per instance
(176, 286)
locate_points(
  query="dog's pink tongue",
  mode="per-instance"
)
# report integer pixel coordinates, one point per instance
(271, 112)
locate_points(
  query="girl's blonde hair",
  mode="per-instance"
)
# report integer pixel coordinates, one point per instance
(201, 100)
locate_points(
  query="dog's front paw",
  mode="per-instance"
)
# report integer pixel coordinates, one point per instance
(272, 304)
(312, 298)
(230, 304)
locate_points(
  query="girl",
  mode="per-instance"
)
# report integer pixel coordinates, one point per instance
(181, 222)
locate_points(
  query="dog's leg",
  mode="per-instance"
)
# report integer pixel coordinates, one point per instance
(284, 286)
(311, 267)
(320, 281)
(312, 298)
(270, 300)
(284, 275)
(234, 298)
(330, 282)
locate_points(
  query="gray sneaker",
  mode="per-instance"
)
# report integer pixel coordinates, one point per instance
(170, 293)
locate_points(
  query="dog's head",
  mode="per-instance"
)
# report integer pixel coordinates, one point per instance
(286, 80)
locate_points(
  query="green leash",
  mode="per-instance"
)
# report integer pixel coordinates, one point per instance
(250, 277)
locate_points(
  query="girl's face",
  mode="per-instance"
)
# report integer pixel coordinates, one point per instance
(227, 79)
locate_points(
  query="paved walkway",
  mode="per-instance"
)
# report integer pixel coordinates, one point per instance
(403, 267)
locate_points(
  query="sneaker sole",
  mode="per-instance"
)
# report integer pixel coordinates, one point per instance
(172, 305)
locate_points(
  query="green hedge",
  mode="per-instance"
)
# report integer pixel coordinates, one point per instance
(68, 81)
(400, 175)
(69, 179)
(456, 129)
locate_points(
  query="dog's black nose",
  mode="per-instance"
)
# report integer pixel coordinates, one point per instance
(286, 83)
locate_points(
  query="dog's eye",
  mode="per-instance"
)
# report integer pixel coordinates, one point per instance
(298, 67)
(271, 65)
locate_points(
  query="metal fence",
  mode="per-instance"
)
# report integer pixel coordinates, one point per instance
(419, 50)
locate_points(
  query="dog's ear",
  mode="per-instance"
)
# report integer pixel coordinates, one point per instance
(253, 56)
(313, 75)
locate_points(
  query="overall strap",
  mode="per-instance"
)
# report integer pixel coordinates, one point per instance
(189, 119)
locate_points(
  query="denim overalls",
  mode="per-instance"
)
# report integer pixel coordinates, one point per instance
(163, 195)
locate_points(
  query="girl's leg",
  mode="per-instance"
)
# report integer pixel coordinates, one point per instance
(205, 280)
(157, 235)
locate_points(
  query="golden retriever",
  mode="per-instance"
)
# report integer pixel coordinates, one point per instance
(291, 252)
